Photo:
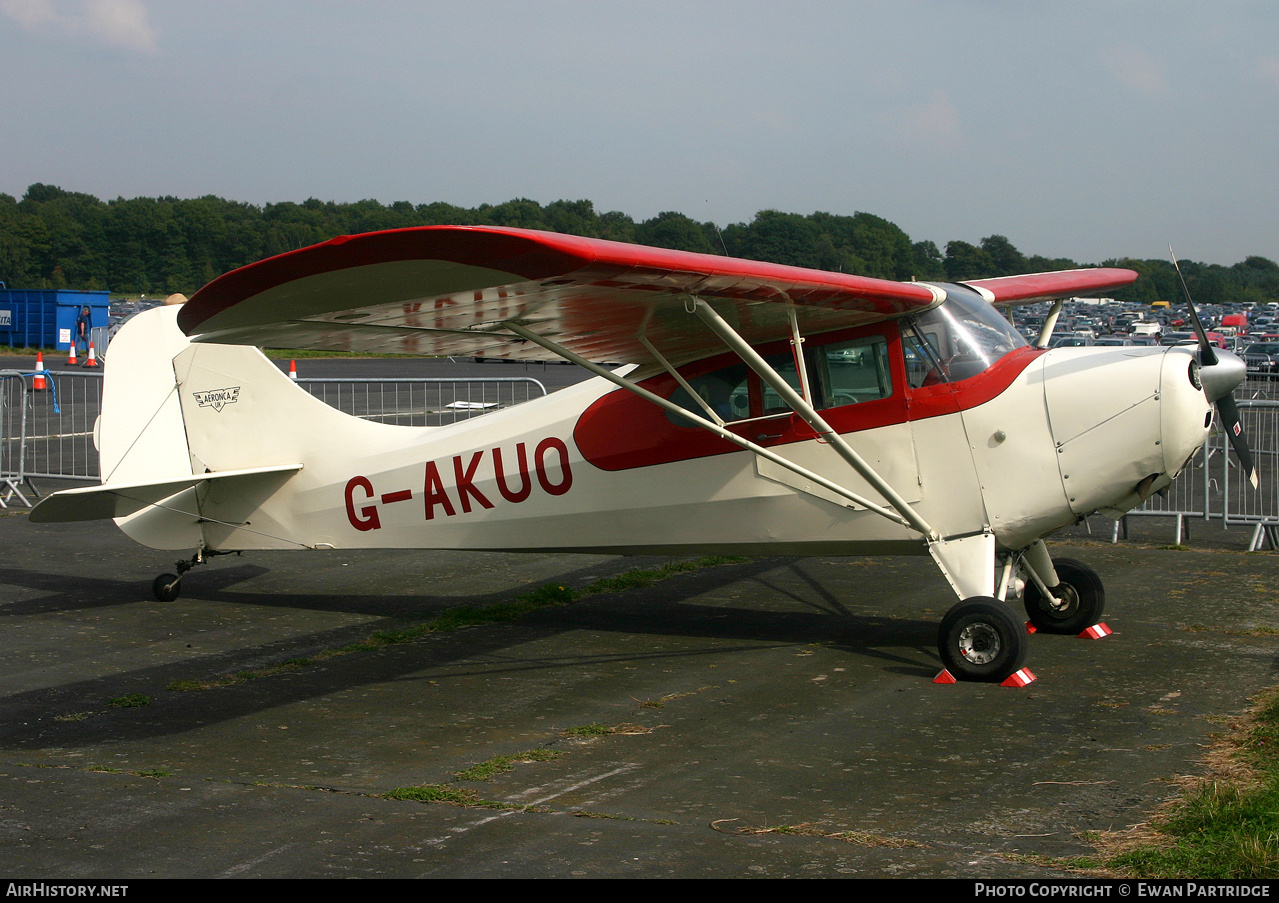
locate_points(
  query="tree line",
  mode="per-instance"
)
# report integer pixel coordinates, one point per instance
(54, 238)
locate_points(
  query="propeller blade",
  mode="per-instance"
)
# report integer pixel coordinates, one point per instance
(1219, 382)
(1207, 354)
(1229, 414)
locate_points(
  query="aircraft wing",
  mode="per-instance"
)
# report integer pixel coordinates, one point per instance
(447, 290)
(1005, 290)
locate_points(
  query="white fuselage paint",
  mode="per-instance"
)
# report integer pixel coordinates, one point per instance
(1076, 431)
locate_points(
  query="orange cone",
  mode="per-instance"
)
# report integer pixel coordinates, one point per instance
(293, 369)
(38, 384)
(71, 361)
(93, 358)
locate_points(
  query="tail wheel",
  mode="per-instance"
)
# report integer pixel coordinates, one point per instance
(1073, 606)
(167, 587)
(980, 640)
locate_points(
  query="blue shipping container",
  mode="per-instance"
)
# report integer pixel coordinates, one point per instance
(45, 318)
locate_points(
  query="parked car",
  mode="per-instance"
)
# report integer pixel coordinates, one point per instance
(1262, 359)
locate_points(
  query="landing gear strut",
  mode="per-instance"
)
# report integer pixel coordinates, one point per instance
(167, 587)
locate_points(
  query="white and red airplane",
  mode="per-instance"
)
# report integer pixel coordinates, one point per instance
(766, 410)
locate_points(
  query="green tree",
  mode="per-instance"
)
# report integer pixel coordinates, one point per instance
(776, 237)
(1007, 260)
(572, 218)
(964, 261)
(928, 261)
(675, 231)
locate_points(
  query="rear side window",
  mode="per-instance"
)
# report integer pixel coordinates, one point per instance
(839, 374)
(856, 371)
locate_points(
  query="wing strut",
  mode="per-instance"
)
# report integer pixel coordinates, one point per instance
(800, 406)
(1050, 322)
(717, 428)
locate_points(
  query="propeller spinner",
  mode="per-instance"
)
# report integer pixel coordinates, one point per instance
(1220, 372)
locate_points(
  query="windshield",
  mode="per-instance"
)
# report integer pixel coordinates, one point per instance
(957, 340)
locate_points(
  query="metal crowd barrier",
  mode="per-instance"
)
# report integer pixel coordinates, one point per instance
(100, 336)
(59, 419)
(422, 402)
(46, 432)
(1243, 504)
(13, 408)
(1213, 487)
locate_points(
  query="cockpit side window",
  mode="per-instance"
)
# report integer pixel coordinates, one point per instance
(839, 373)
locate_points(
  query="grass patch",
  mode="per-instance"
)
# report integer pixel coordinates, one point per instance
(587, 731)
(442, 793)
(1225, 826)
(660, 702)
(129, 701)
(144, 773)
(861, 838)
(435, 793)
(186, 686)
(486, 771)
(14, 351)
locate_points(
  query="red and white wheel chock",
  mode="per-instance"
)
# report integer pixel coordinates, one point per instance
(1016, 679)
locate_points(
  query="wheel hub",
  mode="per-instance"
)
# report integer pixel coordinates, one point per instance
(979, 643)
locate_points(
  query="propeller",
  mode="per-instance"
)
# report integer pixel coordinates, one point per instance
(1220, 372)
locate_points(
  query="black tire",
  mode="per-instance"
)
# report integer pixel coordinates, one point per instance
(166, 587)
(1075, 606)
(980, 640)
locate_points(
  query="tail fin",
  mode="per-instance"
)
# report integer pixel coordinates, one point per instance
(158, 491)
(204, 446)
(188, 442)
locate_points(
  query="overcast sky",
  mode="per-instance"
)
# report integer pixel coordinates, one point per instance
(1082, 129)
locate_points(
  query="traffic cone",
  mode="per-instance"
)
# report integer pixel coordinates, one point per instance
(71, 361)
(93, 358)
(38, 384)
(293, 369)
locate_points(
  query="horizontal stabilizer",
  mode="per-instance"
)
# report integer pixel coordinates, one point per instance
(122, 499)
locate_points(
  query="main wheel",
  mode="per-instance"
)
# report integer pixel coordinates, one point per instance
(1074, 606)
(980, 640)
(166, 587)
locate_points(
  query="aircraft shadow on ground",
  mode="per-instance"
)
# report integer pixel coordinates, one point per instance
(36, 719)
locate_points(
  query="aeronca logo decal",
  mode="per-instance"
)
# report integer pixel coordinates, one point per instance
(216, 398)
(467, 483)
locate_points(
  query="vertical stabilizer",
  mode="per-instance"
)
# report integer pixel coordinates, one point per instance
(140, 433)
